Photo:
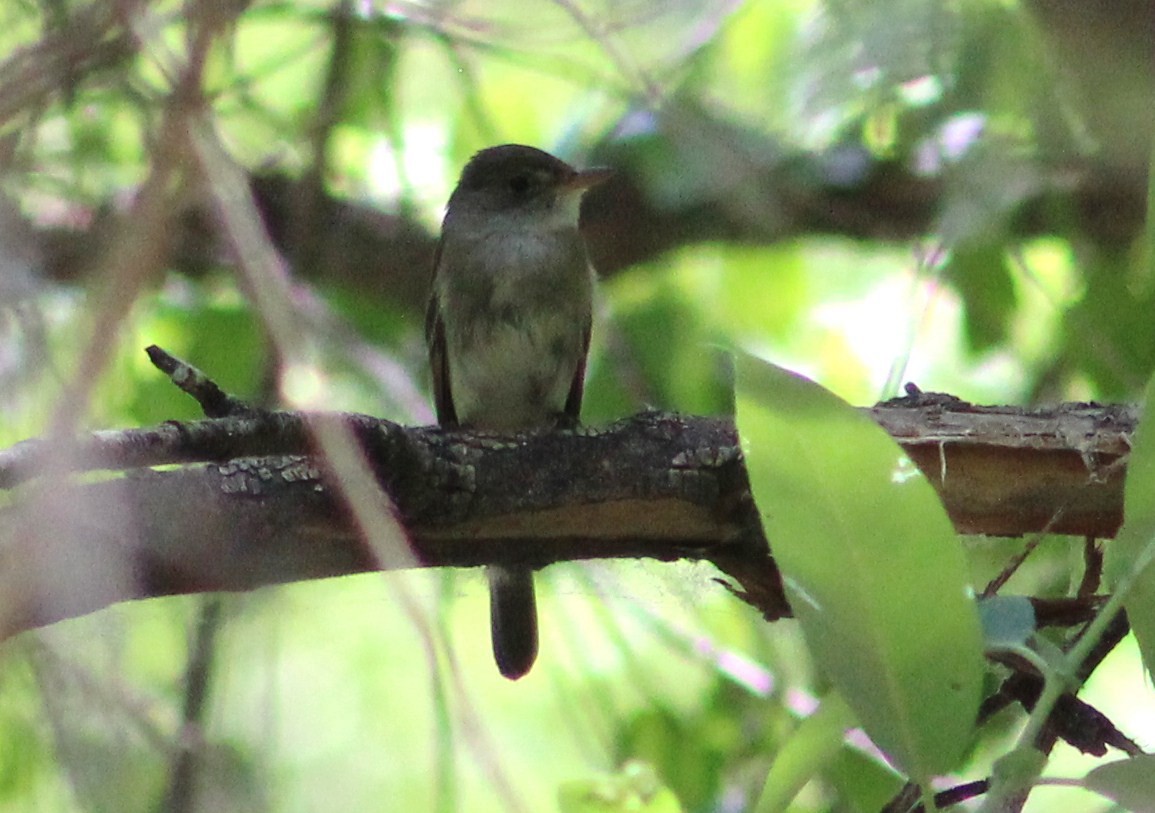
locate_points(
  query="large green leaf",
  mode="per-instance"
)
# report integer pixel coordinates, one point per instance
(871, 563)
(1134, 547)
(1131, 552)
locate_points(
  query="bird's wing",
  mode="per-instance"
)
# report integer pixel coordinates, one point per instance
(438, 358)
(573, 401)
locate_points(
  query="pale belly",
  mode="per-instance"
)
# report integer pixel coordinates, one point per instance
(516, 377)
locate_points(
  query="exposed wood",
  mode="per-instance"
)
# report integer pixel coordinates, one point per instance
(1010, 471)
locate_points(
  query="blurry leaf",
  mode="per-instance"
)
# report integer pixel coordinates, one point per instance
(1132, 549)
(751, 58)
(634, 789)
(1007, 620)
(281, 62)
(1107, 333)
(762, 292)
(871, 564)
(1003, 69)
(679, 750)
(665, 354)
(376, 320)
(864, 783)
(982, 276)
(27, 760)
(805, 754)
(1130, 782)
(863, 52)
(372, 57)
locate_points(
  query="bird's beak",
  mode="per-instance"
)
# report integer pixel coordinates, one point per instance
(586, 178)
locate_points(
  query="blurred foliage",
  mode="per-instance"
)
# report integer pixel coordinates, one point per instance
(635, 788)
(655, 689)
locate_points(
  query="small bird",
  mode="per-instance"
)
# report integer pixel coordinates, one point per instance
(508, 328)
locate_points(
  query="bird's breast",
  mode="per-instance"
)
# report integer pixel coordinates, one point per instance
(515, 329)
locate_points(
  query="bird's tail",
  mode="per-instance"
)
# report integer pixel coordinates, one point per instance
(512, 619)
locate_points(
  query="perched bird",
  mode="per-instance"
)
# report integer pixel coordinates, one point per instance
(508, 328)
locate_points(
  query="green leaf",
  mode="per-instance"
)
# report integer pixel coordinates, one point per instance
(680, 747)
(871, 563)
(982, 275)
(1008, 621)
(1130, 782)
(1106, 336)
(809, 751)
(863, 782)
(1134, 547)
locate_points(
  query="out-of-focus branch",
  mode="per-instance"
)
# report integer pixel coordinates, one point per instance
(388, 256)
(90, 41)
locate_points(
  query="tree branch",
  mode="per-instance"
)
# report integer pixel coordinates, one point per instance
(656, 485)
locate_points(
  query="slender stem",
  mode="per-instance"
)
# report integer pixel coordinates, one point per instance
(1057, 681)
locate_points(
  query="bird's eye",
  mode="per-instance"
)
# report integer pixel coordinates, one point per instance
(519, 184)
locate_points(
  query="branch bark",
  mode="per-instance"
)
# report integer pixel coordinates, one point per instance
(257, 510)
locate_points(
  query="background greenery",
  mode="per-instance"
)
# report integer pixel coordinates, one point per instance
(867, 192)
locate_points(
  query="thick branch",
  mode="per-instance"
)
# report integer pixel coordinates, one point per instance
(1009, 471)
(657, 485)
